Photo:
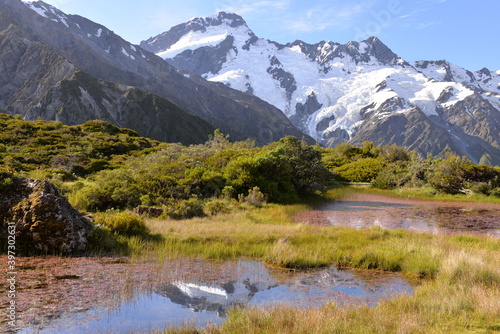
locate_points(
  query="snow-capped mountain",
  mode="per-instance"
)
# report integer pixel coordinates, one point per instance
(68, 68)
(346, 92)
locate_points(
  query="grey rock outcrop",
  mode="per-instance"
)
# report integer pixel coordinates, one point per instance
(44, 219)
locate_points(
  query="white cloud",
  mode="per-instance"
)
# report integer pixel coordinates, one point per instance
(322, 17)
(244, 6)
(425, 25)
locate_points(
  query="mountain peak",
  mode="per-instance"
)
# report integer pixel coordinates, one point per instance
(381, 51)
(231, 19)
(221, 18)
(45, 10)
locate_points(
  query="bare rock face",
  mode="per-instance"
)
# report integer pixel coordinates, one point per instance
(45, 221)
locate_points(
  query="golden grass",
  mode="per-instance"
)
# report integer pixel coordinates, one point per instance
(269, 234)
(435, 308)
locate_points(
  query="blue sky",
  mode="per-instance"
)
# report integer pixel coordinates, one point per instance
(464, 32)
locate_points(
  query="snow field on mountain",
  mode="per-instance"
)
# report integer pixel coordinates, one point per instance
(39, 11)
(343, 90)
(194, 40)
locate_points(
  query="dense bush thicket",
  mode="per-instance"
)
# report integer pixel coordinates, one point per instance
(101, 167)
(389, 167)
(178, 178)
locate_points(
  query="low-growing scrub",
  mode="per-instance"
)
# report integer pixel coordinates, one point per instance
(122, 223)
(102, 241)
(182, 209)
(217, 206)
(393, 167)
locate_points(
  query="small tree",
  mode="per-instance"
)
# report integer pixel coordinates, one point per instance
(309, 174)
(218, 140)
(449, 174)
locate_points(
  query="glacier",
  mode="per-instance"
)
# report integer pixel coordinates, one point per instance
(344, 79)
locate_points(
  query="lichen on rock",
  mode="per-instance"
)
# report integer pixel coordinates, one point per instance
(44, 219)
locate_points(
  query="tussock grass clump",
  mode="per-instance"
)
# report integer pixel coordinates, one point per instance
(285, 255)
(468, 269)
(123, 223)
(101, 240)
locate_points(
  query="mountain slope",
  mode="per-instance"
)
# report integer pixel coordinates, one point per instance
(36, 81)
(346, 92)
(73, 43)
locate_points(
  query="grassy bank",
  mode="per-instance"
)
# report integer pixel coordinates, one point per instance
(262, 235)
(270, 234)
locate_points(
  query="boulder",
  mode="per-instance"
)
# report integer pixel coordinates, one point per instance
(44, 219)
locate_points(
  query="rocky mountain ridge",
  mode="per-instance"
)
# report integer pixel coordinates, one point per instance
(346, 92)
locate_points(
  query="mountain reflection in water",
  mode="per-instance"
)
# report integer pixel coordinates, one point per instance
(312, 288)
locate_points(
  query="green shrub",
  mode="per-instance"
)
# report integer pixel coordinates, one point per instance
(217, 206)
(146, 200)
(308, 173)
(112, 190)
(480, 188)
(100, 126)
(101, 240)
(269, 170)
(183, 209)
(449, 174)
(495, 192)
(123, 223)
(393, 176)
(6, 183)
(255, 197)
(228, 192)
(363, 170)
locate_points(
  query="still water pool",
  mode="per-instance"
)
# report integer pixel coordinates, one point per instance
(202, 292)
(437, 217)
